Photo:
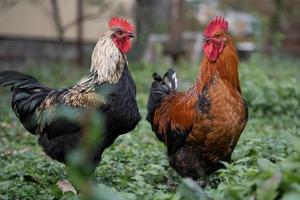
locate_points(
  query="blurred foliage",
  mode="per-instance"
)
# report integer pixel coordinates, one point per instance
(266, 161)
(279, 30)
(79, 166)
(267, 94)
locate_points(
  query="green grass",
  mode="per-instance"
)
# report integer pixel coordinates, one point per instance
(266, 161)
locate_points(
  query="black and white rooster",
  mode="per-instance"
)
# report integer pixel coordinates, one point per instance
(38, 106)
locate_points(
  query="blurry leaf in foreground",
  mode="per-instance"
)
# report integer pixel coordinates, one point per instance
(4, 197)
(102, 192)
(295, 141)
(291, 196)
(81, 164)
(269, 189)
(190, 190)
(265, 165)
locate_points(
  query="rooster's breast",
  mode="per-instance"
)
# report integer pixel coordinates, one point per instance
(122, 114)
(222, 116)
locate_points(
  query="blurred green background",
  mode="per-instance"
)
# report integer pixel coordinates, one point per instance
(52, 40)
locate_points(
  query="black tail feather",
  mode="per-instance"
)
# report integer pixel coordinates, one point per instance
(161, 87)
(170, 75)
(27, 95)
(157, 77)
(10, 78)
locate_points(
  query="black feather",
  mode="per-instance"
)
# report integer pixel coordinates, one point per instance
(171, 79)
(25, 99)
(160, 88)
(21, 96)
(157, 77)
(176, 139)
(15, 76)
(204, 103)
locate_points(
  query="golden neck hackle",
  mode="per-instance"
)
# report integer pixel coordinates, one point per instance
(225, 67)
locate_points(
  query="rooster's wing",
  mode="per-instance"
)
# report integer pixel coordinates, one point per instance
(173, 120)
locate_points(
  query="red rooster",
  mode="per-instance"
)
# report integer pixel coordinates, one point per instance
(37, 106)
(201, 126)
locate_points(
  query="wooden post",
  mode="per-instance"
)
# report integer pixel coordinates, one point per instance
(175, 45)
(80, 52)
(151, 16)
(57, 20)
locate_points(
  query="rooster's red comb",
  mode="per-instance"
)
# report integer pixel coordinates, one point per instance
(118, 22)
(218, 23)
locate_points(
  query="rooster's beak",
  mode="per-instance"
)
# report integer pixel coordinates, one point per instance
(205, 39)
(131, 35)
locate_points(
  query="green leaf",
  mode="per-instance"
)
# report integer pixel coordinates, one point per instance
(190, 190)
(295, 141)
(268, 190)
(265, 165)
(4, 197)
(291, 196)
(105, 193)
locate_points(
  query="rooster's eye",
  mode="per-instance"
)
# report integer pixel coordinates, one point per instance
(218, 35)
(119, 33)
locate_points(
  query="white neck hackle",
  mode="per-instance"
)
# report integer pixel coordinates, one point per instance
(107, 60)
